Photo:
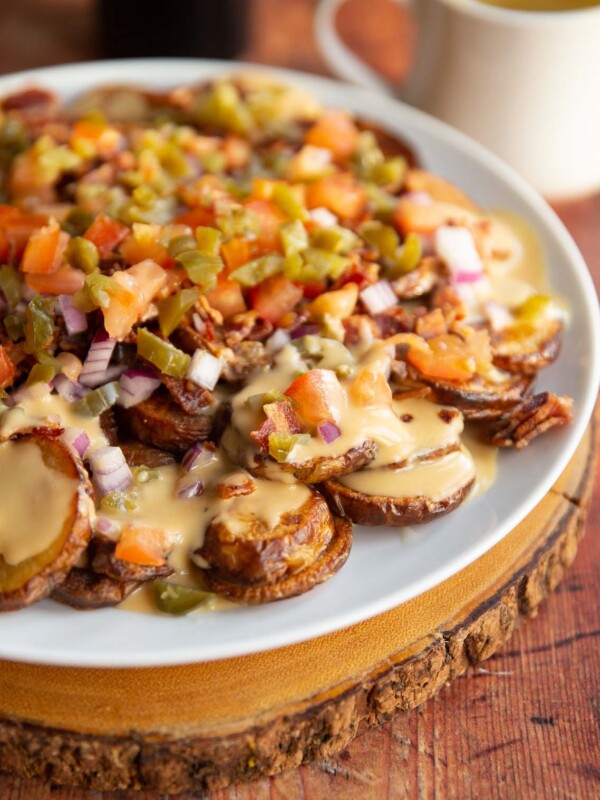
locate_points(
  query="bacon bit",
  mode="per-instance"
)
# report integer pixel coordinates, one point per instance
(431, 324)
(536, 415)
(284, 417)
(261, 435)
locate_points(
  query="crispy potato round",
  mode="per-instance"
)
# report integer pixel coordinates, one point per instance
(372, 510)
(316, 470)
(102, 559)
(306, 547)
(160, 422)
(527, 355)
(86, 590)
(33, 579)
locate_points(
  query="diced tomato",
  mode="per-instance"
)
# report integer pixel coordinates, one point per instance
(195, 217)
(142, 545)
(318, 395)
(335, 131)
(370, 387)
(66, 280)
(339, 193)
(45, 249)
(312, 290)
(27, 181)
(338, 304)
(262, 188)
(445, 357)
(17, 226)
(269, 220)
(236, 251)
(7, 369)
(227, 298)
(275, 297)
(140, 283)
(135, 250)
(106, 233)
(237, 152)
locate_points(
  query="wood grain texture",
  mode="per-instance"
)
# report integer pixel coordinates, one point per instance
(526, 724)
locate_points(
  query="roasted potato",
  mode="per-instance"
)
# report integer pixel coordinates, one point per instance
(102, 559)
(160, 422)
(528, 354)
(86, 590)
(257, 565)
(35, 578)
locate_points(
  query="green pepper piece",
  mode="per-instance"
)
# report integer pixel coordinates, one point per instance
(382, 238)
(11, 286)
(39, 324)
(14, 325)
(181, 244)
(208, 241)
(173, 598)
(258, 270)
(97, 292)
(119, 501)
(381, 203)
(294, 238)
(144, 196)
(172, 309)
(40, 373)
(224, 108)
(335, 239)
(533, 308)
(390, 173)
(202, 270)
(327, 264)
(367, 154)
(163, 355)
(214, 162)
(98, 400)
(407, 258)
(282, 444)
(238, 221)
(294, 268)
(287, 201)
(77, 221)
(83, 254)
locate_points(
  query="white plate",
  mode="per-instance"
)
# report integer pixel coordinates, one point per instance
(386, 567)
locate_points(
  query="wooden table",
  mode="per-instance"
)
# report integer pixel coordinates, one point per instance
(527, 723)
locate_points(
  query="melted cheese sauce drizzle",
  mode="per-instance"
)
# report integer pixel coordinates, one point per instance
(35, 500)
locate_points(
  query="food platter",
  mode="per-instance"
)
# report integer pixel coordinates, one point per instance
(388, 566)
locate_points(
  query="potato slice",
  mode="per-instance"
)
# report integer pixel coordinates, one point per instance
(35, 577)
(306, 547)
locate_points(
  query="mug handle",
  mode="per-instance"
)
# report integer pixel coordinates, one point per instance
(339, 58)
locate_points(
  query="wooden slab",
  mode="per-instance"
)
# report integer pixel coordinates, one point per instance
(208, 725)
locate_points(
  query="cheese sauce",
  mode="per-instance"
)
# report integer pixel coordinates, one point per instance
(435, 479)
(35, 500)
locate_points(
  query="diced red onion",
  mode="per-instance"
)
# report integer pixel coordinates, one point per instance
(69, 390)
(96, 362)
(323, 217)
(277, 341)
(378, 297)
(204, 369)
(197, 456)
(187, 488)
(328, 431)
(305, 330)
(106, 527)
(75, 320)
(136, 385)
(456, 247)
(110, 470)
(77, 439)
(497, 315)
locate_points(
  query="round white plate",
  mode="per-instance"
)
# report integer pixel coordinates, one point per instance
(387, 566)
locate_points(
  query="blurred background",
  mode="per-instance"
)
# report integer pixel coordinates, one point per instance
(37, 33)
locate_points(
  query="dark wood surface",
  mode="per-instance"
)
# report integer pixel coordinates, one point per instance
(527, 723)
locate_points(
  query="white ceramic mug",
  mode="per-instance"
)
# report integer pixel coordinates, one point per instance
(526, 84)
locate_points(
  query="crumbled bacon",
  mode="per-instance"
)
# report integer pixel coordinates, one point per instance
(535, 416)
(235, 485)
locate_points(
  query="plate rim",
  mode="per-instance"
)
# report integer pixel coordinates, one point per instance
(87, 74)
